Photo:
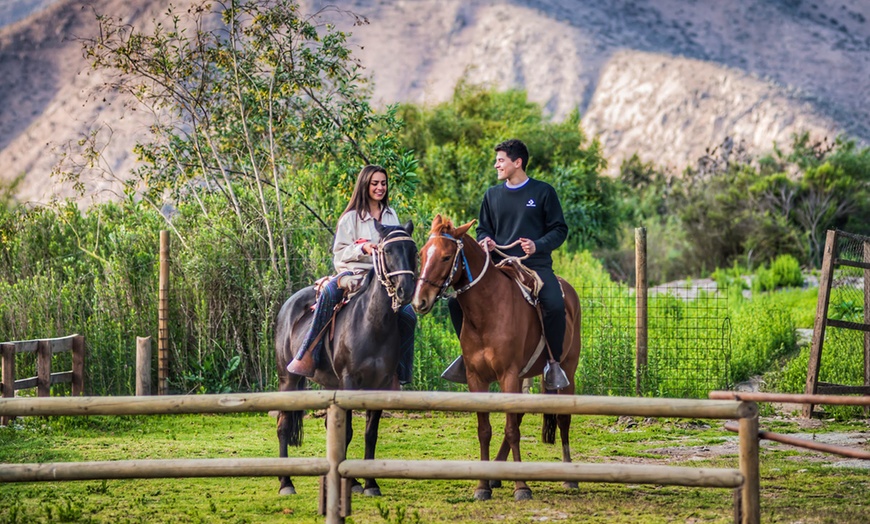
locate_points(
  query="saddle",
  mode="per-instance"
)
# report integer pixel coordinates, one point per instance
(526, 279)
(351, 285)
(530, 285)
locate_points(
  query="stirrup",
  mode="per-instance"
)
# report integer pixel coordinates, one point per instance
(455, 372)
(303, 366)
(554, 376)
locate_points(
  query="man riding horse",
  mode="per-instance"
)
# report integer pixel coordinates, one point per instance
(526, 211)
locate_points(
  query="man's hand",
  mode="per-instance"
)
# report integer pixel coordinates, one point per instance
(487, 243)
(528, 246)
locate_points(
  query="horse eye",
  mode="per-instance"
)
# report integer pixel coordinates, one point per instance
(445, 258)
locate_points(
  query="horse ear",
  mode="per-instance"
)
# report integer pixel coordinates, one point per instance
(379, 227)
(409, 227)
(461, 230)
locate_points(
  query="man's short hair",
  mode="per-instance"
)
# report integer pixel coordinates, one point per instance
(515, 149)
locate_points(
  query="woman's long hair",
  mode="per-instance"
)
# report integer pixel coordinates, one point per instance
(360, 201)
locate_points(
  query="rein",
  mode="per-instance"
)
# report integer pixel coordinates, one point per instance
(381, 270)
(460, 250)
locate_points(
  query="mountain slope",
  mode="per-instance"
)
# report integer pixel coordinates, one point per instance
(664, 78)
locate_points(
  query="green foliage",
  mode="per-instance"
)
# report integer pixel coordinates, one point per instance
(455, 141)
(763, 333)
(784, 271)
(842, 363)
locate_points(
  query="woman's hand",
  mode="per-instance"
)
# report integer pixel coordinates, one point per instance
(369, 247)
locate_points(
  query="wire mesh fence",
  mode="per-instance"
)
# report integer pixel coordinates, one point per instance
(688, 348)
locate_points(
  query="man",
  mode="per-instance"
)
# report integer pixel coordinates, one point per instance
(527, 210)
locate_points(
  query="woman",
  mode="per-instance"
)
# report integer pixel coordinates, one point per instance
(355, 240)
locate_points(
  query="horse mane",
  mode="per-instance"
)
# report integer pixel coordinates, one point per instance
(442, 226)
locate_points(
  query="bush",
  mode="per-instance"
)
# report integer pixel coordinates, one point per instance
(784, 271)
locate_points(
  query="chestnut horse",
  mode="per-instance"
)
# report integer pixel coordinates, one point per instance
(499, 335)
(365, 351)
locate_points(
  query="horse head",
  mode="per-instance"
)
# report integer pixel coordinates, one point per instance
(440, 261)
(396, 262)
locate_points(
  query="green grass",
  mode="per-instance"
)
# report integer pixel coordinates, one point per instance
(796, 486)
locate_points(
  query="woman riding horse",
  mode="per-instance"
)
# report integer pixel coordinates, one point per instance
(373, 332)
(356, 239)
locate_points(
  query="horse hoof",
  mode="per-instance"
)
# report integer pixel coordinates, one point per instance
(356, 488)
(372, 492)
(494, 484)
(523, 494)
(287, 490)
(570, 485)
(482, 494)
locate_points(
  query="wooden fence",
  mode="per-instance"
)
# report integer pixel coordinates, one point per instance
(44, 378)
(335, 467)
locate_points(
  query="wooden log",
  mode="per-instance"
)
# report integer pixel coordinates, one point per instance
(794, 398)
(808, 444)
(170, 404)
(336, 448)
(519, 403)
(549, 471)
(389, 400)
(750, 498)
(143, 366)
(163, 468)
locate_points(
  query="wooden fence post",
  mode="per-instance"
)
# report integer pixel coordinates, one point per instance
(641, 328)
(43, 368)
(336, 449)
(867, 321)
(825, 278)
(8, 351)
(78, 365)
(143, 366)
(750, 500)
(163, 317)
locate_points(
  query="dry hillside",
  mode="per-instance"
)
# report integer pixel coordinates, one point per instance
(663, 78)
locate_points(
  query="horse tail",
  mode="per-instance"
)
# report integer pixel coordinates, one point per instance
(548, 429)
(548, 426)
(294, 427)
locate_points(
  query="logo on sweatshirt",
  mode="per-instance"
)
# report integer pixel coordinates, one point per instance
(530, 203)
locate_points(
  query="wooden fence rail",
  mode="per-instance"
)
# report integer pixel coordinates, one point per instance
(44, 378)
(336, 468)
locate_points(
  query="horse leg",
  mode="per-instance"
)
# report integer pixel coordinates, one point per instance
(564, 422)
(504, 450)
(512, 436)
(355, 486)
(512, 384)
(483, 491)
(289, 433)
(373, 420)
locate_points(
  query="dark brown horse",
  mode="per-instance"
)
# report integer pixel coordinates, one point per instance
(366, 347)
(500, 334)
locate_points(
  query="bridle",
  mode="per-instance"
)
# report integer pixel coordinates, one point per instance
(458, 258)
(384, 277)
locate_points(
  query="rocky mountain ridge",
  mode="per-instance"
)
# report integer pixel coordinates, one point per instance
(666, 79)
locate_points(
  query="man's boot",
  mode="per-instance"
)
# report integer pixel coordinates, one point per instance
(554, 376)
(304, 364)
(405, 370)
(455, 372)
